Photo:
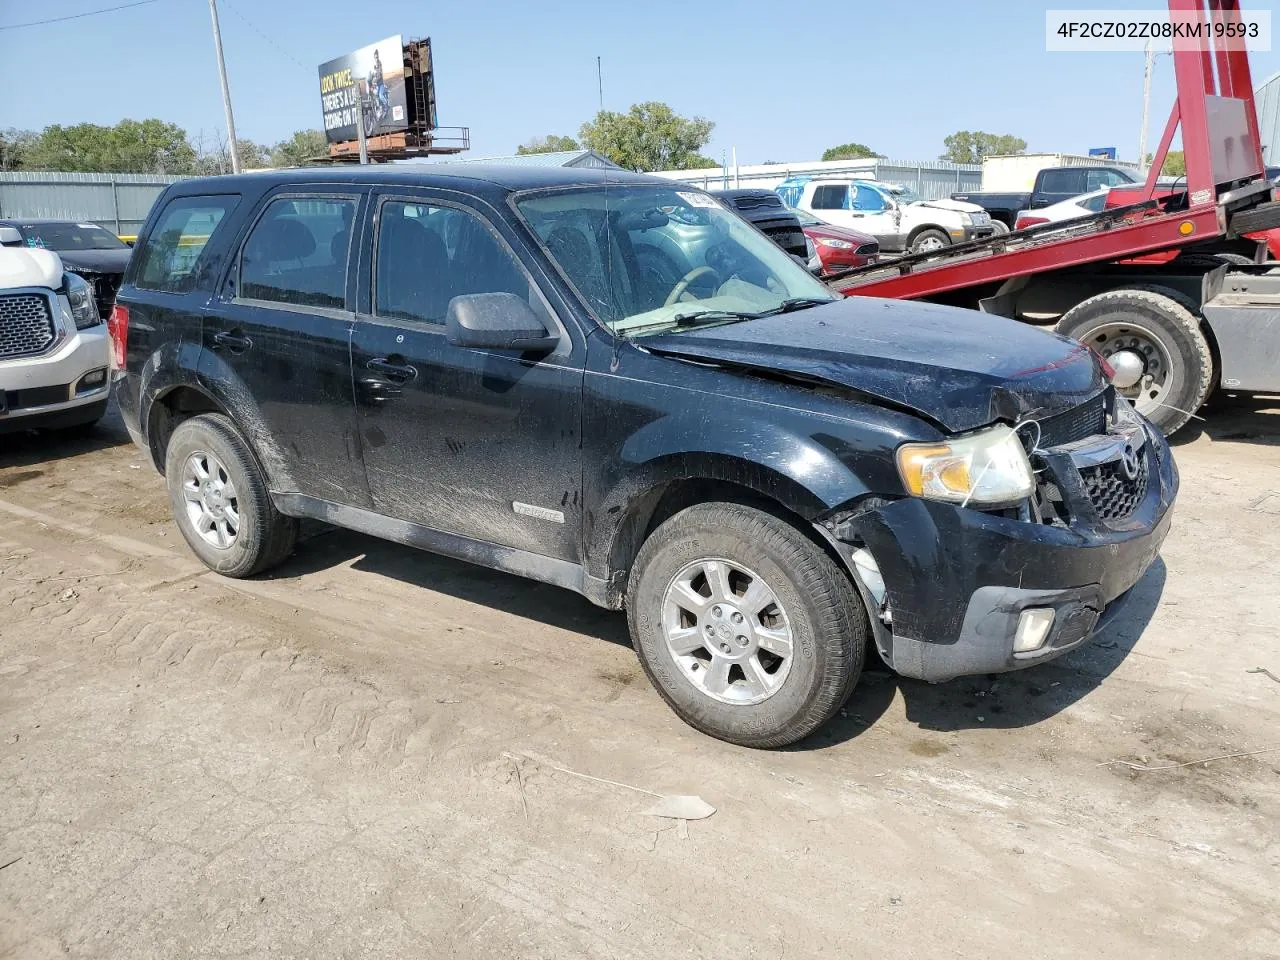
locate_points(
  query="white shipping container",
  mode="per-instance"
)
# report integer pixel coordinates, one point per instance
(1016, 173)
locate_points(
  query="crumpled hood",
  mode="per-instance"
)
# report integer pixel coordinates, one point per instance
(957, 206)
(97, 261)
(960, 368)
(26, 267)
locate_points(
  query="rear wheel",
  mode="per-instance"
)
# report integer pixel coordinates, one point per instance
(220, 501)
(1154, 343)
(747, 628)
(926, 241)
(999, 227)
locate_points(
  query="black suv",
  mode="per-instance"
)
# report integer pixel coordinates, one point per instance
(483, 363)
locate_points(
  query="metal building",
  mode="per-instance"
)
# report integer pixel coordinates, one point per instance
(1266, 100)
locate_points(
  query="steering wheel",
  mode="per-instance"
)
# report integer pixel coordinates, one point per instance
(679, 289)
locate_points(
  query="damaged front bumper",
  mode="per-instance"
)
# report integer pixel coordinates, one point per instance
(956, 581)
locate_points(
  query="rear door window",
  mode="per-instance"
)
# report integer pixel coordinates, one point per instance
(1062, 181)
(831, 196)
(174, 248)
(297, 252)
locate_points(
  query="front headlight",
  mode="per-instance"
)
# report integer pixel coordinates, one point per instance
(966, 219)
(986, 469)
(834, 243)
(84, 309)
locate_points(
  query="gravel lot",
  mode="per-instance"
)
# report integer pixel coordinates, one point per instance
(371, 753)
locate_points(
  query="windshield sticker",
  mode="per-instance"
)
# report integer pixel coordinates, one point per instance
(697, 199)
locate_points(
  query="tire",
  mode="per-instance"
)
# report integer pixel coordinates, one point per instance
(1167, 321)
(1001, 228)
(816, 606)
(1236, 259)
(925, 238)
(263, 537)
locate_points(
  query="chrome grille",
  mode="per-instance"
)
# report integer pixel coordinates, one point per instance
(26, 325)
(1113, 494)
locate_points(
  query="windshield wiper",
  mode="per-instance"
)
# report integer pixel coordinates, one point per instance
(699, 317)
(796, 303)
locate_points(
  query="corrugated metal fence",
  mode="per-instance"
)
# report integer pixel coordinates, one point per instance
(932, 180)
(118, 201)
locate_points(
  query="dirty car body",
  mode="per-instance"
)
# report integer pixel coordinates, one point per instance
(620, 402)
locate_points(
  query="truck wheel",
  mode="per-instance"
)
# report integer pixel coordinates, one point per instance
(999, 227)
(220, 501)
(747, 628)
(1154, 343)
(929, 240)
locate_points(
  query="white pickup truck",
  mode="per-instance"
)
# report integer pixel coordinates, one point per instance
(891, 213)
(54, 349)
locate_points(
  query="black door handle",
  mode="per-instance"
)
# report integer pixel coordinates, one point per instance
(235, 341)
(398, 372)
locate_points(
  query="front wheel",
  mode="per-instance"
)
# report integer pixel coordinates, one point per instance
(747, 628)
(927, 241)
(1154, 344)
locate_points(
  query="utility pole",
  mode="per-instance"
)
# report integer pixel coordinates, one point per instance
(1146, 106)
(226, 91)
(360, 134)
(600, 84)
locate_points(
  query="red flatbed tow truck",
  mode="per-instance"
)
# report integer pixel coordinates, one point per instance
(1164, 282)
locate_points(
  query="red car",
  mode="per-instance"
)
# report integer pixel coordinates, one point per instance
(839, 248)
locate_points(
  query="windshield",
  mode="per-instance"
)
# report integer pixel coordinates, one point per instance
(647, 259)
(70, 236)
(806, 218)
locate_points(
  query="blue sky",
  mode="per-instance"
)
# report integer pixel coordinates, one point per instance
(781, 82)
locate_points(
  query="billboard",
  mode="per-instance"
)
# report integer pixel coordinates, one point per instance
(370, 79)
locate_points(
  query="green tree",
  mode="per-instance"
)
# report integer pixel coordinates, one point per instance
(548, 144)
(850, 151)
(131, 146)
(1175, 164)
(649, 136)
(14, 147)
(970, 146)
(302, 148)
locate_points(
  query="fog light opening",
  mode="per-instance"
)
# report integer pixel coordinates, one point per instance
(93, 379)
(1033, 629)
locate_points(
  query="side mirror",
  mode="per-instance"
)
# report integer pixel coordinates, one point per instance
(498, 321)
(10, 237)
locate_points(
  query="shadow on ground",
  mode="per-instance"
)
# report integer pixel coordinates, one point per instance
(997, 701)
(1006, 700)
(33, 448)
(326, 547)
(1239, 418)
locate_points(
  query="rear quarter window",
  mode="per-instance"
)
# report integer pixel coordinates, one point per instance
(175, 247)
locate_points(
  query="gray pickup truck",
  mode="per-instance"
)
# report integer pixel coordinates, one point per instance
(1052, 185)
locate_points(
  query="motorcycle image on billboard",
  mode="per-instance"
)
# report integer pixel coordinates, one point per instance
(371, 80)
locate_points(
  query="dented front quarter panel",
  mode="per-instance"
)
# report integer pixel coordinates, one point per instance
(650, 420)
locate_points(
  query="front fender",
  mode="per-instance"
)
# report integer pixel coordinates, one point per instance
(783, 462)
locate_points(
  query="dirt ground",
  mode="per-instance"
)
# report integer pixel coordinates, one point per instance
(372, 753)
